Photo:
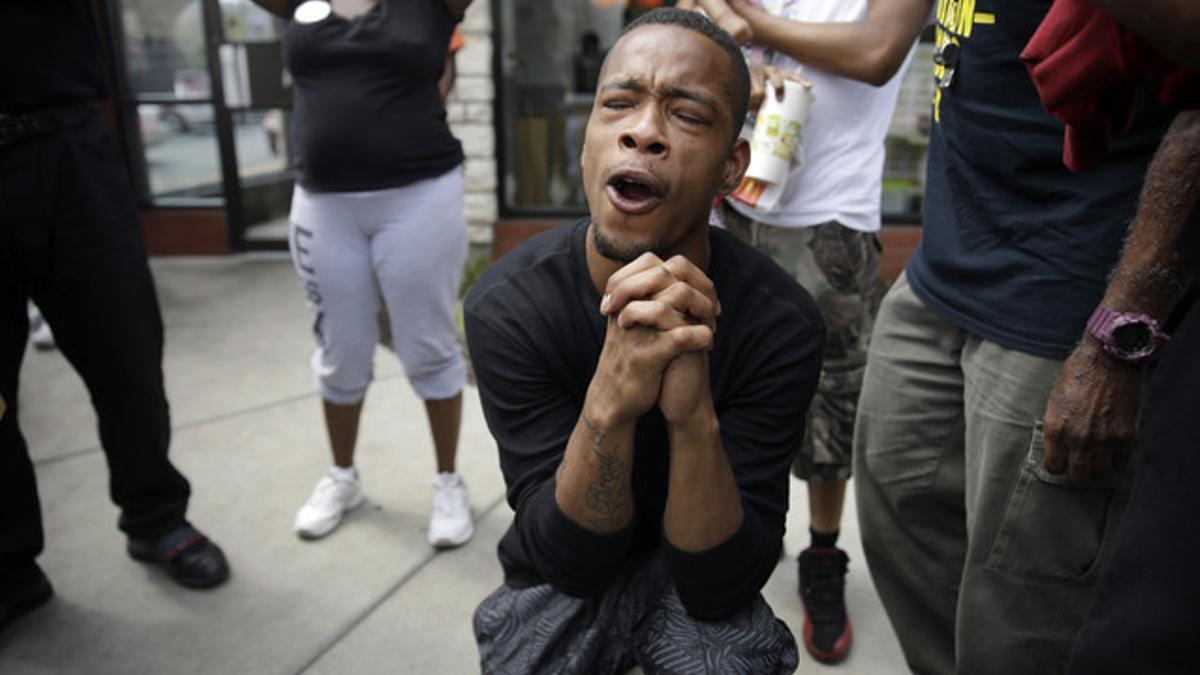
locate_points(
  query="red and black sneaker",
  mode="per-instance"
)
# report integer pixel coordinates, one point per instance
(827, 632)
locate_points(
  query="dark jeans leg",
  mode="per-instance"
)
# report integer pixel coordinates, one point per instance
(93, 285)
(20, 512)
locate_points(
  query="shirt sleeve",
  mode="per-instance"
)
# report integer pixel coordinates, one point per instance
(531, 411)
(762, 426)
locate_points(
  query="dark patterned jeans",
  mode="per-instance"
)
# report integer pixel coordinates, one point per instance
(639, 620)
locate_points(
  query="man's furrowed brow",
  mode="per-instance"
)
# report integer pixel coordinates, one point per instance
(680, 92)
(639, 86)
(628, 84)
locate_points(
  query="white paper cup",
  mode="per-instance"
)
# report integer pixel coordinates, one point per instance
(778, 133)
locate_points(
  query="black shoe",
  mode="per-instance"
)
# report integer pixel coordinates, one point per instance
(23, 597)
(827, 632)
(187, 555)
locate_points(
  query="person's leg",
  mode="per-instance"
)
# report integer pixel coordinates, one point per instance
(1143, 617)
(908, 445)
(839, 267)
(825, 503)
(95, 290)
(329, 239)
(445, 420)
(669, 640)
(22, 585)
(1035, 541)
(90, 278)
(535, 630)
(21, 538)
(418, 254)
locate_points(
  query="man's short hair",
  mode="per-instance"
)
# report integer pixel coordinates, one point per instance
(739, 91)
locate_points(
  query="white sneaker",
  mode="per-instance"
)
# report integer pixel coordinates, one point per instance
(331, 499)
(450, 523)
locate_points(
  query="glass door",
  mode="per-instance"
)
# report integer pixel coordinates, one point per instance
(257, 97)
(167, 95)
(205, 103)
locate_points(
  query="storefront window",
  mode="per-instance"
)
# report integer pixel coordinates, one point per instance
(550, 56)
(190, 131)
(180, 148)
(167, 70)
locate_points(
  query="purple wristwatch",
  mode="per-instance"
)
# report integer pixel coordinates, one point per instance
(1126, 336)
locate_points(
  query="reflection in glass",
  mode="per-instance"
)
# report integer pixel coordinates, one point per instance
(164, 48)
(180, 162)
(261, 142)
(260, 137)
(550, 62)
(245, 21)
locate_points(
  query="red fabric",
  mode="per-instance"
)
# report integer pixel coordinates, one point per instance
(1086, 67)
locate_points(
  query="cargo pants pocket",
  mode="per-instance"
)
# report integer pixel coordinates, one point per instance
(1055, 530)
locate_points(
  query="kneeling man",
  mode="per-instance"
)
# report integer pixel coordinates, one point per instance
(646, 380)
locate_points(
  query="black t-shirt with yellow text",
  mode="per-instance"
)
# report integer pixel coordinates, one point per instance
(1017, 248)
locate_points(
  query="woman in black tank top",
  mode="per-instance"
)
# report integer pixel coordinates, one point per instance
(378, 211)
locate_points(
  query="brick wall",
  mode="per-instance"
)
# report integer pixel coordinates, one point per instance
(470, 112)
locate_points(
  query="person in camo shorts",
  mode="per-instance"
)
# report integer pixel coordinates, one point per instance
(823, 232)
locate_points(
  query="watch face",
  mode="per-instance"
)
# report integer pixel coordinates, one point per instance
(1132, 338)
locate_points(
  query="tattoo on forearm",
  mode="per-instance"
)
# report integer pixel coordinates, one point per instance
(607, 496)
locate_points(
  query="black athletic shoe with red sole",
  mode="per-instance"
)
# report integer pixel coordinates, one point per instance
(827, 631)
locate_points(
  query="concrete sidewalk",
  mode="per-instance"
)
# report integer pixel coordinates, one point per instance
(372, 597)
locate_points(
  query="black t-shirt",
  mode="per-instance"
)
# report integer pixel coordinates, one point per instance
(367, 114)
(49, 54)
(1016, 248)
(535, 334)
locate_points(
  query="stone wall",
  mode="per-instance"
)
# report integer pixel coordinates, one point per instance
(470, 112)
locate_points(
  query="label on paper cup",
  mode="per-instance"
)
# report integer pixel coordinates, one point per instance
(776, 145)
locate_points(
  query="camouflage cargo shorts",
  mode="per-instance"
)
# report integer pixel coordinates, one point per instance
(839, 267)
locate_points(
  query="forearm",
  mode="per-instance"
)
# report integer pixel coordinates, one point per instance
(1149, 277)
(715, 9)
(594, 480)
(871, 50)
(704, 505)
(1170, 25)
(449, 73)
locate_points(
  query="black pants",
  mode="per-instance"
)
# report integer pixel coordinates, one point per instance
(1146, 611)
(71, 241)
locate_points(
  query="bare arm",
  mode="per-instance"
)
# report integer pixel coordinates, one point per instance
(730, 21)
(1090, 419)
(647, 303)
(449, 72)
(1171, 26)
(1148, 278)
(593, 484)
(276, 7)
(871, 50)
(704, 504)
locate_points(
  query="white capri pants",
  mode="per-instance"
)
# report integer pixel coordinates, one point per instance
(407, 244)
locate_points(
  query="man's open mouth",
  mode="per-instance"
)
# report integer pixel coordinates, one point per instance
(633, 191)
